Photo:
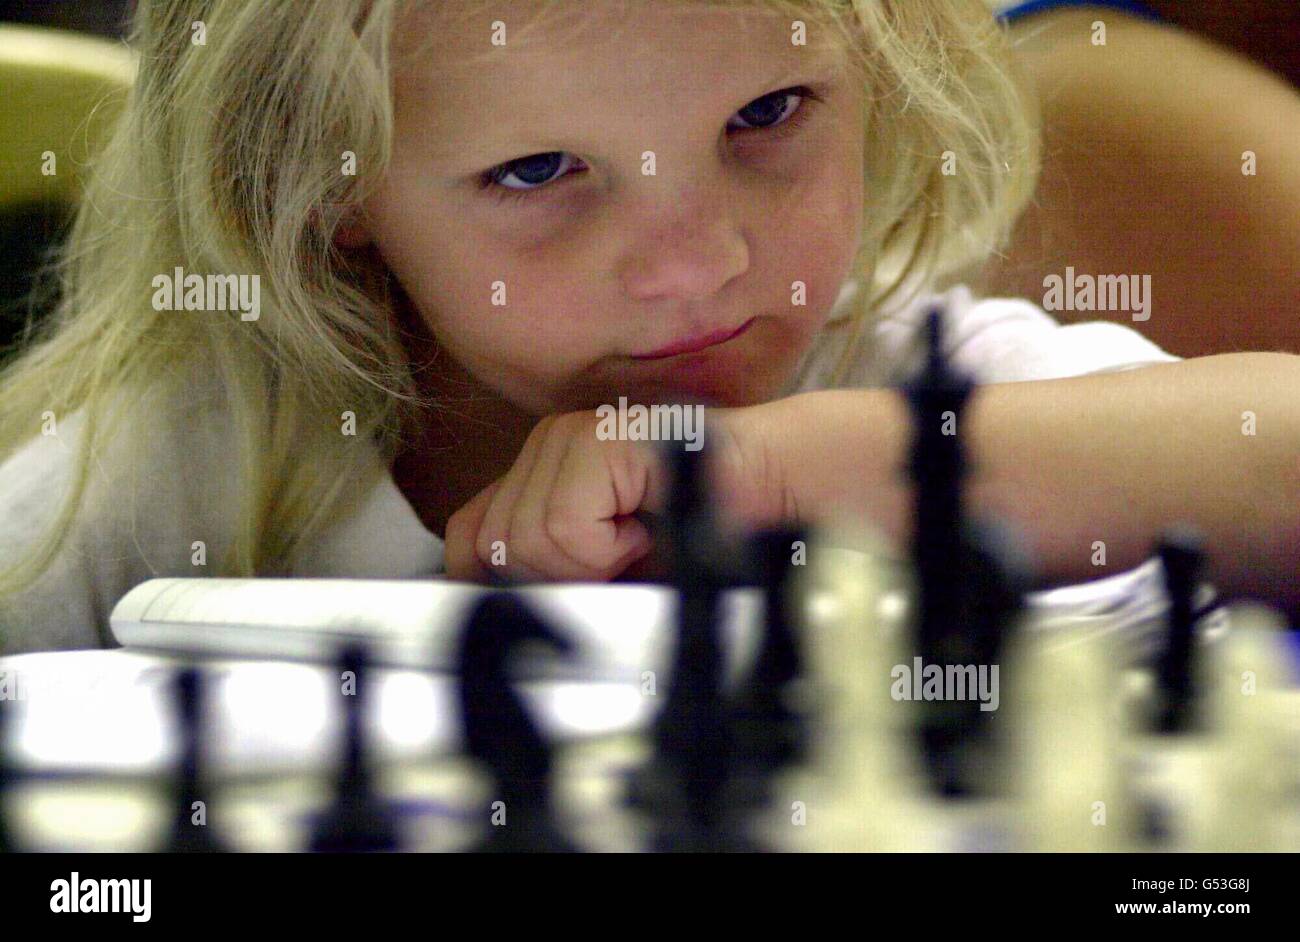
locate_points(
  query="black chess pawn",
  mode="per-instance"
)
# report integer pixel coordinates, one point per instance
(499, 731)
(356, 820)
(1177, 705)
(191, 797)
(1173, 717)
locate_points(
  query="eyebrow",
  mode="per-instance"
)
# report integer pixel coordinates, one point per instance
(451, 155)
(819, 69)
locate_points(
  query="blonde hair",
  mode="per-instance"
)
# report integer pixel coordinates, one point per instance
(228, 157)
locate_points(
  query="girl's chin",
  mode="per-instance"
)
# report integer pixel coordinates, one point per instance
(709, 389)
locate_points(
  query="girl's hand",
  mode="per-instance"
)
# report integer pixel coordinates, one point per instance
(565, 510)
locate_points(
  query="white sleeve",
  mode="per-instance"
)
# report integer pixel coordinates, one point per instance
(65, 607)
(1005, 340)
(140, 516)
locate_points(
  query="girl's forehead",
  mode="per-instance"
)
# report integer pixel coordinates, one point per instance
(440, 36)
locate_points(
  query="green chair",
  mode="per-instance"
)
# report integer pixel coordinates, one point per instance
(62, 93)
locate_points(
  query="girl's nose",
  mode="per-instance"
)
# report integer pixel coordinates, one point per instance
(688, 256)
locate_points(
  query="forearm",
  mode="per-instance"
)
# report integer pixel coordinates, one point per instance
(1069, 463)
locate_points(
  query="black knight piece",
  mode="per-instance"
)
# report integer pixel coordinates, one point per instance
(500, 733)
(356, 820)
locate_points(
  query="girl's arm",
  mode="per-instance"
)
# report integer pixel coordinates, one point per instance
(1115, 458)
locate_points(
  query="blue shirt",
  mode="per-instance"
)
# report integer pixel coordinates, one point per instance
(1021, 10)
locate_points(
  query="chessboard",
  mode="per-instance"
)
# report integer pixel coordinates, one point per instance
(795, 690)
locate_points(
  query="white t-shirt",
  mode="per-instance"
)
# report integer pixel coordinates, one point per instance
(162, 503)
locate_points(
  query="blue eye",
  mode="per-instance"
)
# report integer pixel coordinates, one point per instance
(771, 110)
(773, 114)
(534, 171)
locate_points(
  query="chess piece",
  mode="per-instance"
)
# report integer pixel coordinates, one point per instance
(190, 792)
(1064, 766)
(937, 396)
(356, 820)
(1255, 712)
(1178, 700)
(769, 714)
(1171, 751)
(500, 733)
(7, 842)
(856, 790)
(970, 577)
(684, 787)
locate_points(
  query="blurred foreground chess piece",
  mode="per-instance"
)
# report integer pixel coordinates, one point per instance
(858, 788)
(7, 844)
(356, 820)
(1178, 695)
(191, 792)
(683, 787)
(1173, 743)
(895, 767)
(971, 579)
(1205, 755)
(1062, 733)
(770, 713)
(1256, 775)
(499, 731)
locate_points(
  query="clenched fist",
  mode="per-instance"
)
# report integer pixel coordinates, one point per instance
(565, 510)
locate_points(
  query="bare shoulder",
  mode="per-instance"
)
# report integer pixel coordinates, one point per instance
(1169, 155)
(1143, 63)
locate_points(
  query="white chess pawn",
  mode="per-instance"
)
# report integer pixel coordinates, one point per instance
(863, 788)
(1250, 778)
(1062, 741)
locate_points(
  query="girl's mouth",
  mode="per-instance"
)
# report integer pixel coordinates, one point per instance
(696, 344)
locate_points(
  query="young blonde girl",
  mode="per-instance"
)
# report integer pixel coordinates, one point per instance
(425, 361)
